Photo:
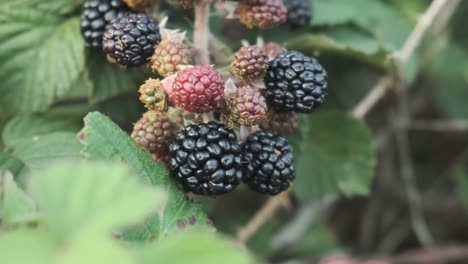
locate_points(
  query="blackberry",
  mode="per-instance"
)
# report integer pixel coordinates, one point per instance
(96, 15)
(154, 131)
(130, 40)
(246, 107)
(295, 82)
(250, 64)
(268, 162)
(299, 12)
(284, 123)
(206, 159)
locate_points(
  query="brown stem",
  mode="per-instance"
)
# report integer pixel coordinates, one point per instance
(201, 32)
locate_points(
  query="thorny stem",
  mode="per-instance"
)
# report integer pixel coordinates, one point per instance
(201, 32)
(264, 214)
(402, 56)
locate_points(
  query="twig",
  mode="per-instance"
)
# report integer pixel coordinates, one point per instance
(440, 125)
(424, 22)
(371, 99)
(447, 254)
(418, 221)
(201, 32)
(297, 227)
(402, 57)
(261, 216)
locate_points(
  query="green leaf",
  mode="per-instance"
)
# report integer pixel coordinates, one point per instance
(17, 206)
(89, 248)
(109, 79)
(388, 25)
(11, 164)
(196, 248)
(318, 240)
(40, 151)
(337, 159)
(13, 246)
(105, 140)
(29, 126)
(345, 42)
(92, 196)
(45, 54)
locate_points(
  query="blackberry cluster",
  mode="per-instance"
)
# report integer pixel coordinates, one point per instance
(269, 162)
(130, 40)
(95, 17)
(295, 82)
(206, 159)
(299, 12)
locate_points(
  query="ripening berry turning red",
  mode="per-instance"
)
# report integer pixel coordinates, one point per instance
(199, 89)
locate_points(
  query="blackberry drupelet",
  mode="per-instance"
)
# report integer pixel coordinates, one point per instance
(268, 162)
(299, 12)
(295, 82)
(95, 17)
(130, 40)
(206, 159)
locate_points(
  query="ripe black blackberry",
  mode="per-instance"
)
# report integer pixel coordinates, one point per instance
(95, 17)
(295, 82)
(268, 162)
(299, 12)
(130, 40)
(206, 159)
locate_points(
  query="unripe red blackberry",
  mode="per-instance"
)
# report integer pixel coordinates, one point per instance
(284, 123)
(154, 131)
(130, 40)
(245, 107)
(162, 157)
(168, 56)
(268, 162)
(206, 159)
(152, 95)
(262, 13)
(199, 89)
(250, 64)
(139, 4)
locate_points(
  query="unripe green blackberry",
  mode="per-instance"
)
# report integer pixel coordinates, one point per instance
(152, 95)
(154, 132)
(250, 64)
